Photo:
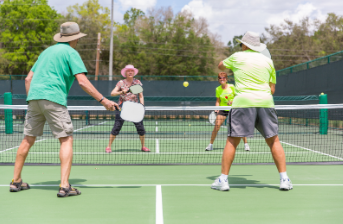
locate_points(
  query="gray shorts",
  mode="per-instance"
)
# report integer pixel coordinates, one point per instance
(242, 122)
(57, 116)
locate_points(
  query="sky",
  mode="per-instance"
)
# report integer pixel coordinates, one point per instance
(227, 18)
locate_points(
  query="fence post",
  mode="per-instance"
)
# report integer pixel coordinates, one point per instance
(323, 115)
(329, 60)
(8, 113)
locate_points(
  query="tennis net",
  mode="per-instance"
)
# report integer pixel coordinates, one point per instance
(177, 135)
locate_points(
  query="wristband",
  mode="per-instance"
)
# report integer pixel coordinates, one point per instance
(102, 99)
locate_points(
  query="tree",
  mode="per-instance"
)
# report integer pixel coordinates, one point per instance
(159, 43)
(27, 28)
(92, 19)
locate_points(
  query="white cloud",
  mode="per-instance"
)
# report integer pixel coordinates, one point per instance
(302, 11)
(235, 17)
(141, 4)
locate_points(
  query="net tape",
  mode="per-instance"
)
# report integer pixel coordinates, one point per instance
(187, 108)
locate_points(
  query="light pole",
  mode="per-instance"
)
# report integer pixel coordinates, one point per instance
(111, 46)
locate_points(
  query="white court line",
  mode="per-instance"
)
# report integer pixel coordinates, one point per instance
(46, 139)
(159, 205)
(160, 153)
(176, 185)
(325, 154)
(157, 150)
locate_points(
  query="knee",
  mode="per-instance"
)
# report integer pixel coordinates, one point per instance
(30, 140)
(115, 131)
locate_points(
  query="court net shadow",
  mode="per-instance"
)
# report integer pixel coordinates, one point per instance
(240, 179)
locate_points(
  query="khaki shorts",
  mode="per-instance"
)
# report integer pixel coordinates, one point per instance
(55, 114)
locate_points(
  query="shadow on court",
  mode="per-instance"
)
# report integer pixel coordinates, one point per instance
(127, 150)
(57, 182)
(240, 179)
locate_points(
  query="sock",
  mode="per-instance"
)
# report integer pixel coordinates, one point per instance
(210, 144)
(223, 177)
(283, 175)
(246, 144)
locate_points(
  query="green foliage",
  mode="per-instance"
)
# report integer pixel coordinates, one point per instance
(160, 43)
(294, 43)
(27, 28)
(92, 19)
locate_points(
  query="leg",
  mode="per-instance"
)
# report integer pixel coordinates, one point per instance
(66, 157)
(219, 121)
(141, 132)
(118, 124)
(22, 153)
(142, 138)
(112, 137)
(229, 153)
(245, 140)
(246, 146)
(277, 152)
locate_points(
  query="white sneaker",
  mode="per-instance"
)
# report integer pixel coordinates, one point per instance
(221, 185)
(286, 184)
(246, 147)
(209, 147)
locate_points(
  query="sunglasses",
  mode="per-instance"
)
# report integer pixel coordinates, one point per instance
(222, 78)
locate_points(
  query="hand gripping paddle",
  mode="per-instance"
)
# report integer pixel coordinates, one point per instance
(132, 111)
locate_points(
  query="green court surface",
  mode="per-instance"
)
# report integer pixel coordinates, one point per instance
(173, 142)
(131, 194)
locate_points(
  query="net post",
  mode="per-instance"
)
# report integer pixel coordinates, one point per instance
(8, 113)
(323, 115)
(87, 117)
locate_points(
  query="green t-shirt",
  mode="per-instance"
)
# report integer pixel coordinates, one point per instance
(226, 94)
(253, 72)
(54, 73)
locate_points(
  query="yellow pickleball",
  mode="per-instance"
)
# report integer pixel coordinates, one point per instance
(185, 84)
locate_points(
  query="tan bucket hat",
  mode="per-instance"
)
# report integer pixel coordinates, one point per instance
(252, 41)
(69, 31)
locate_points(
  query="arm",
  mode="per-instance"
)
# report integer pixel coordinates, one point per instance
(87, 86)
(141, 98)
(116, 91)
(28, 80)
(221, 66)
(272, 87)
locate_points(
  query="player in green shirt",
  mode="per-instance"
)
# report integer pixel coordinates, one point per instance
(224, 94)
(253, 107)
(47, 86)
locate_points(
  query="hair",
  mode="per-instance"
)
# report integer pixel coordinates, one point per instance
(222, 74)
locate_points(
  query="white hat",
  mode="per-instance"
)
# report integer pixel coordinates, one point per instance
(252, 41)
(69, 31)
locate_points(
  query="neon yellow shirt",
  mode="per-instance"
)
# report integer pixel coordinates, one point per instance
(253, 72)
(225, 95)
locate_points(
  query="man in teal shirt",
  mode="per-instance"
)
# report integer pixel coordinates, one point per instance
(47, 87)
(252, 107)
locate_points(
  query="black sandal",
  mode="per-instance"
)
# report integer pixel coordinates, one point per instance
(68, 192)
(19, 186)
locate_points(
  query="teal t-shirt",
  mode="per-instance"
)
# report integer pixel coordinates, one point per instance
(225, 95)
(253, 72)
(53, 73)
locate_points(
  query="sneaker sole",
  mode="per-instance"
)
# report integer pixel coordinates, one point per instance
(219, 189)
(286, 189)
